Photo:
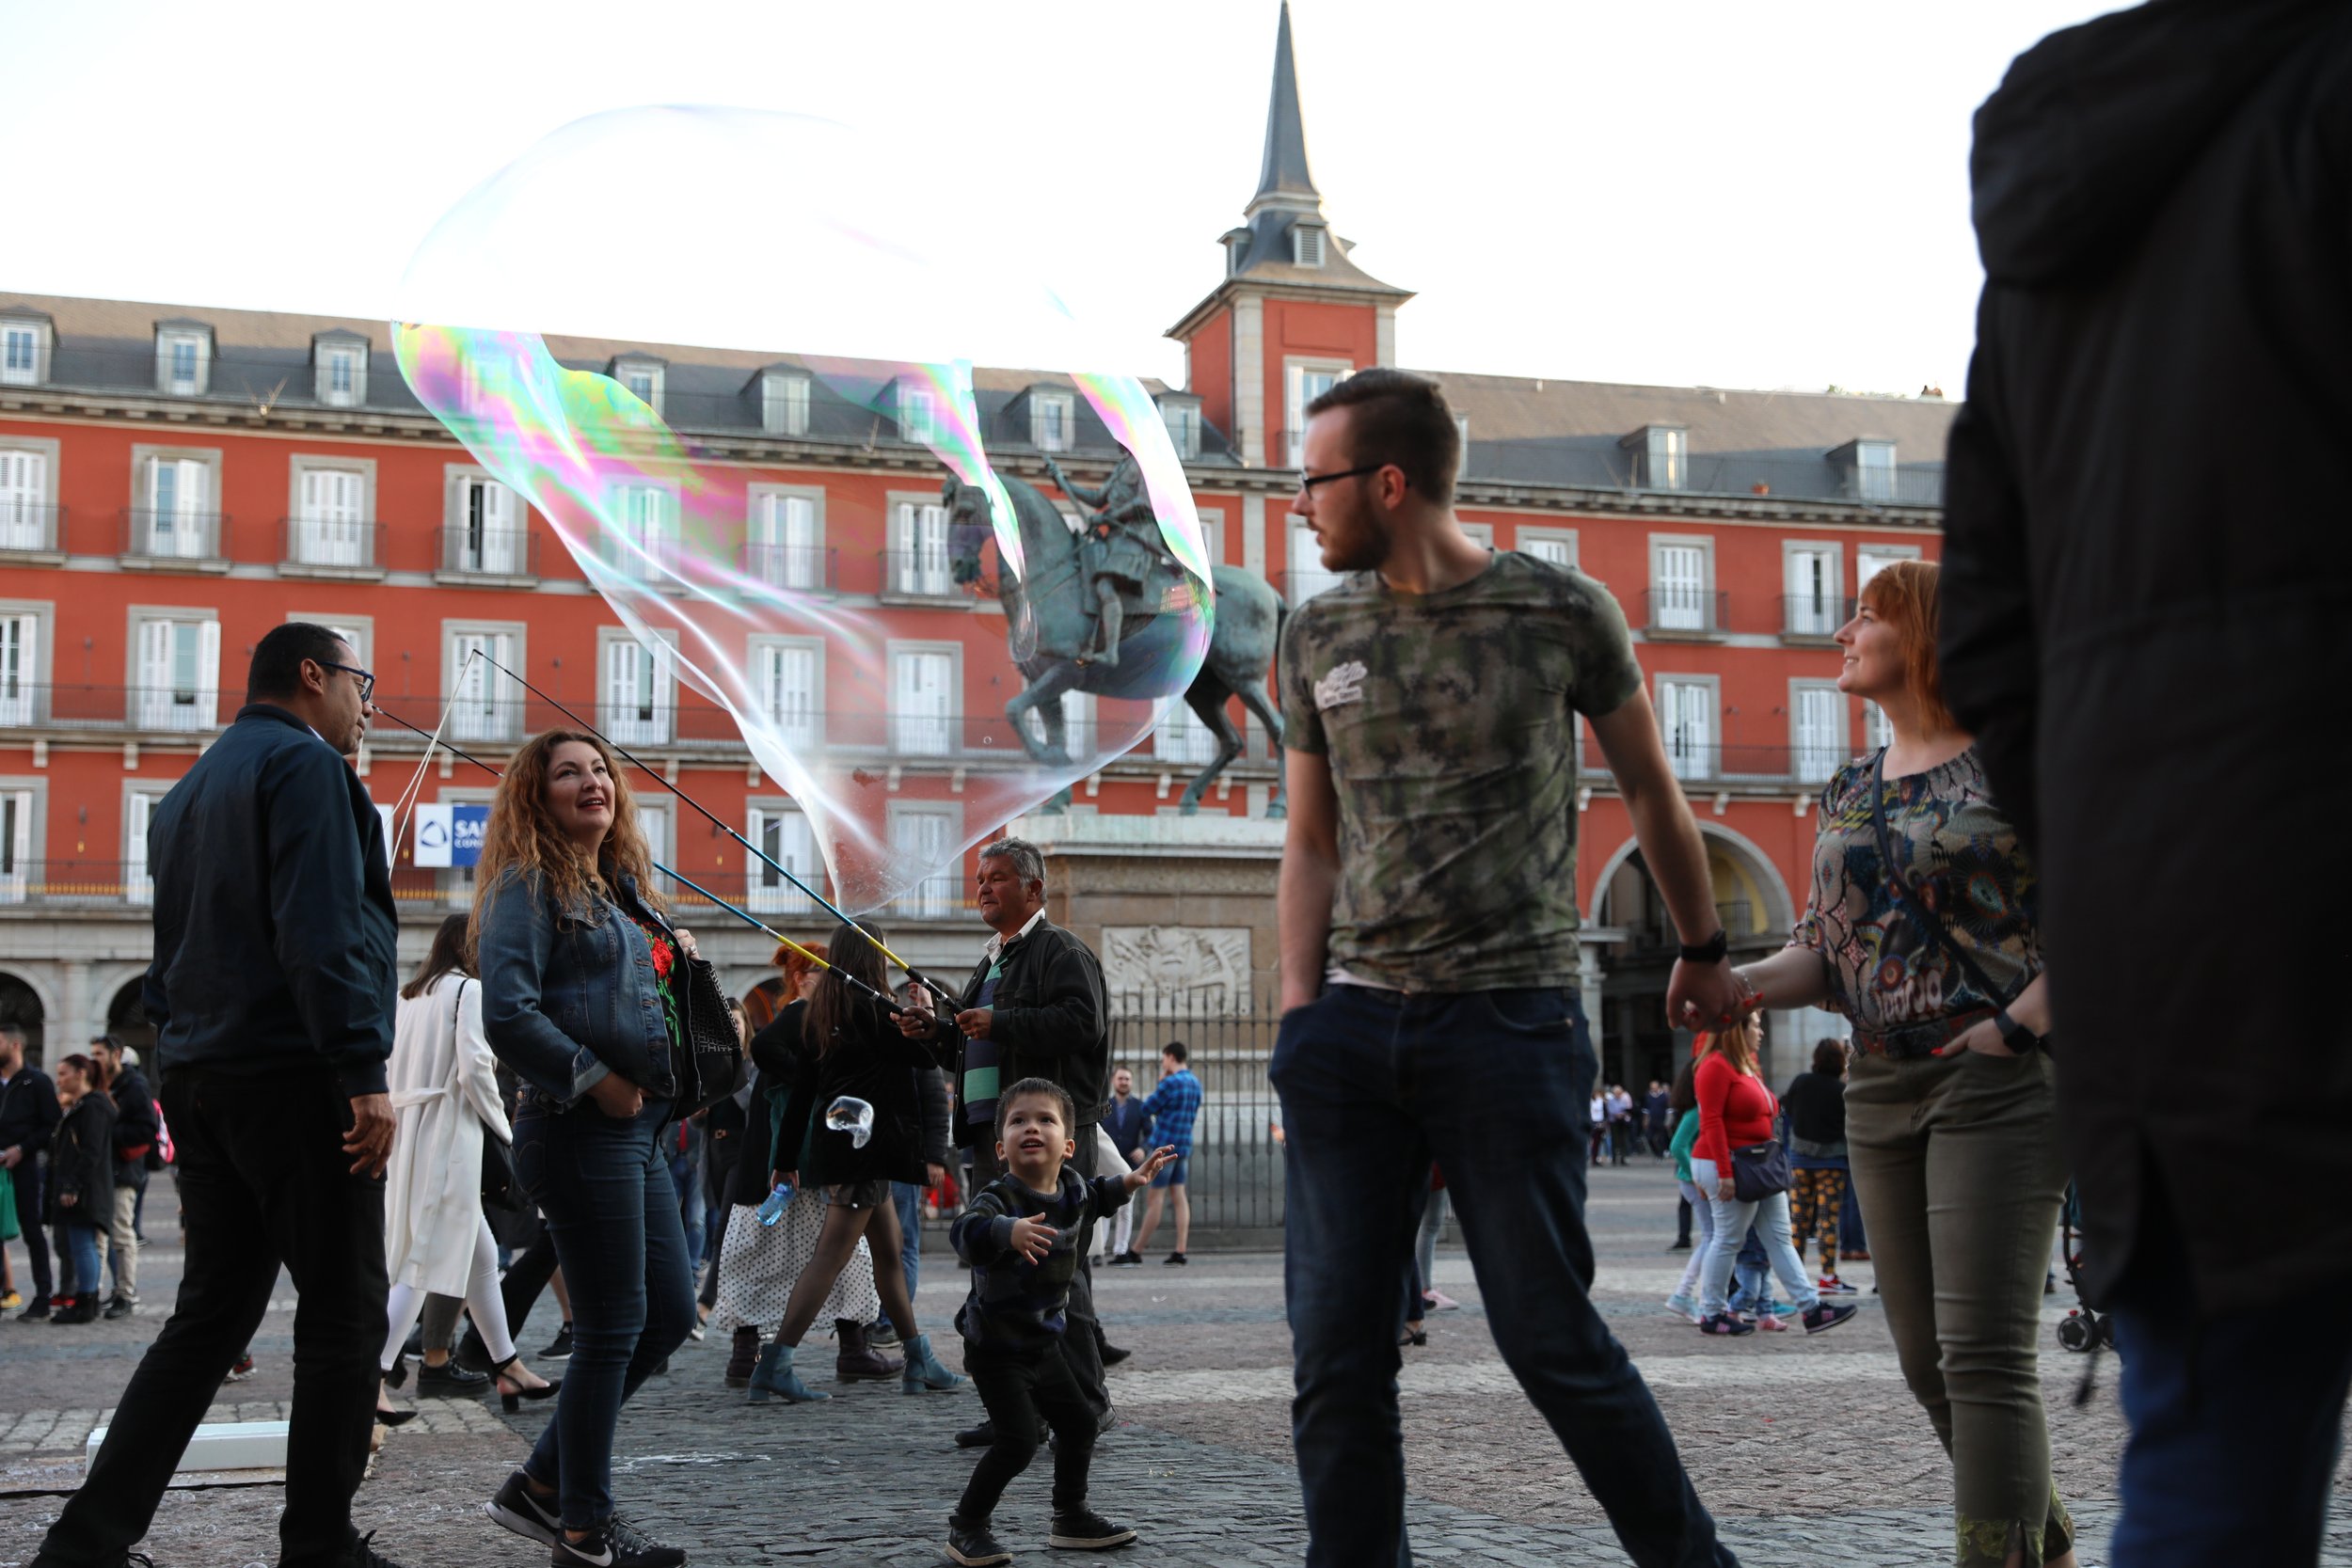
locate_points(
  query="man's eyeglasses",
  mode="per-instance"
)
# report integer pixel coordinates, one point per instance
(1308, 482)
(367, 681)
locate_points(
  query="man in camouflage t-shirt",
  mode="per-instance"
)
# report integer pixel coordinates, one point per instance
(1429, 959)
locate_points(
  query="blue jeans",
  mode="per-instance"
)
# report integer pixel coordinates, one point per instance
(907, 1198)
(613, 1212)
(77, 1249)
(2232, 1450)
(1769, 1216)
(689, 1205)
(1494, 1086)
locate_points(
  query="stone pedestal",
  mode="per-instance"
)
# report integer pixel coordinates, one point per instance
(1180, 908)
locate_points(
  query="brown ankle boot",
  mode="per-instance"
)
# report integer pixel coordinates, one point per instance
(742, 1355)
(860, 1362)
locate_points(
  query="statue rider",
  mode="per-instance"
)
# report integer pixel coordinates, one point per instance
(1121, 547)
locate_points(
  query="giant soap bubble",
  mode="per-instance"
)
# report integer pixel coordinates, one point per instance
(864, 300)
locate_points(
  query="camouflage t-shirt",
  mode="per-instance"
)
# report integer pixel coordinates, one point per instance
(1449, 722)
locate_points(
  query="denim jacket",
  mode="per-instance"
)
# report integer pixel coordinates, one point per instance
(567, 992)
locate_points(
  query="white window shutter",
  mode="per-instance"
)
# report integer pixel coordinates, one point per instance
(20, 672)
(21, 485)
(207, 675)
(136, 888)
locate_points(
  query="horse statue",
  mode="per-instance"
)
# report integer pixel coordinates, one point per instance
(1053, 629)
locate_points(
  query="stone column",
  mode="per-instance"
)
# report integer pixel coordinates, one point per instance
(82, 1017)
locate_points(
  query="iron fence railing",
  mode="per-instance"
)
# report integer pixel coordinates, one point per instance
(165, 536)
(1813, 615)
(30, 525)
(511, 552)
(806, 569)
(1687, 611)
(333, 542)
(164, 710)
(1227, 1027)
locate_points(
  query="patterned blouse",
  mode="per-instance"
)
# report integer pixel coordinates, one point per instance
(1961, 858)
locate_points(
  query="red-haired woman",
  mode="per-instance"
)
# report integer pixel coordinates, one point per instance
(576, 962)
(1930, 947)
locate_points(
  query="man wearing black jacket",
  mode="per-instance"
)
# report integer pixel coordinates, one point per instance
(1035, 1007)
(133, 1136)
(271, 991)
(29, 1115)
(2143, 624)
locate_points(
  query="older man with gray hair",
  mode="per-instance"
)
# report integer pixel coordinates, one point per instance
(1035, 1009)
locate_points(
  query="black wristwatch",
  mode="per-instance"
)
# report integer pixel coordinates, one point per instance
(2016, 1036)
(1712, 951)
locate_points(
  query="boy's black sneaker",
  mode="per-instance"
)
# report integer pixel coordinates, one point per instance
(1826, 1317)
(520, 1510)
(973, 1547)
(1086, 1531)
(607, 1546)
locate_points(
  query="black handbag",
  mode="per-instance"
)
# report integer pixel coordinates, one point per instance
(501, 1191)
(1760, 1170)
(710, 1053)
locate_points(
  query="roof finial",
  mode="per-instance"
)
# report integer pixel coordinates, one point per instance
(1283, 180)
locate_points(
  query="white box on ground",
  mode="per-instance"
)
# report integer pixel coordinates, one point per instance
(223, 1446)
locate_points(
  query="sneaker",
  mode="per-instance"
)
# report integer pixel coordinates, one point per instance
(1175, 1258)
(84, 1309)
(242, 1369)
(1724, 1325)
(1127, 1259)
(121, 1308)
(519, 1508)
(1825, 1317)
(1683, 1307)
(1834, 1286)
(1086, 1531)
(882, 1336)
(1681, 1245)
(363, 1554)
(1770, 1322)
(973, 1547)
(1439, 1301)
(11, 1302)
(1784, 1309)
(632, 1540)
(559, 1351)
(603, 1548)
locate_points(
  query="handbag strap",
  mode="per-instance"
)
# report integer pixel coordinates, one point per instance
(1919, 906)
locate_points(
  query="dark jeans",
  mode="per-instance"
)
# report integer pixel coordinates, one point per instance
(2228, 1459)
(612, 1211)
(263, 1181)
(1495, 1086)
(1015, 1390)
(1082, 1343)
(27, 1176)
(77, 1255)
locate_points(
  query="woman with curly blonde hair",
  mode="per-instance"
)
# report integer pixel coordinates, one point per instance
(577, 958)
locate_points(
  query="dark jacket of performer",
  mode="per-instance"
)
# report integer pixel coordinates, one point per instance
(2146, 599)
(290, 959)
(873, 1062)
(1052, 1022)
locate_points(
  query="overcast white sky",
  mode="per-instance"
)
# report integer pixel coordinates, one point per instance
(1726, 193)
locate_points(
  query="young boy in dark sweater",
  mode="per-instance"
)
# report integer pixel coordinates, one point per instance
(1020, 1233)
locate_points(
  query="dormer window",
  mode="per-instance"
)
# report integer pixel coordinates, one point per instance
(338, 360)
(918, 415)
(1053, 419)
(1182, 415)
(25, 342)
(784, 404)
(644, 379)
(1236, 247)
(1874, 471)
(184, 359)
(1661, 456)
(1307, 244)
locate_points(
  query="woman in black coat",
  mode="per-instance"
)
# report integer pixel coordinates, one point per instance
(80, 1185)
(840, 1043)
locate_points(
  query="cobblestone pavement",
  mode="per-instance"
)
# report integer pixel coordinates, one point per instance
(1808, 1450)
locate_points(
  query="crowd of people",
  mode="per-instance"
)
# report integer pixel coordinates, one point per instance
(1984, 886)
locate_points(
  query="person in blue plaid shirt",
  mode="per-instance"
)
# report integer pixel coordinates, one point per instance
(1168, 1114)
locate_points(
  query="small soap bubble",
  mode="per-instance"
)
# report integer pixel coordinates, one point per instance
(852, 1116)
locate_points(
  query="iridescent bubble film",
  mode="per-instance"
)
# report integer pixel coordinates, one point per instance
(914, 648)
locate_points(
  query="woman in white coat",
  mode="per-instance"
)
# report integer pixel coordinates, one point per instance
(444, 1085)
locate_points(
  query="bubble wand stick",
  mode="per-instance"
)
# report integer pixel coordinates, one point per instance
(913, 973)
(816, 959)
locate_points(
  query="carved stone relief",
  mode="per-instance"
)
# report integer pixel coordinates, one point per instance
(1186, 967)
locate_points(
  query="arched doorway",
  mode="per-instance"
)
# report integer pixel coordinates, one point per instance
(1751, 898)
(20, 1006)
(126, 1018)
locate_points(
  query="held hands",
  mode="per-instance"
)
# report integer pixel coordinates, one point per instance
(1033, 1238)
(617, 1097)
(1703, 996)
(369, 1141)
(1153, 1163)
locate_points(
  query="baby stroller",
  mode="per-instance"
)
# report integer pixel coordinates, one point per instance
(2083, 1327)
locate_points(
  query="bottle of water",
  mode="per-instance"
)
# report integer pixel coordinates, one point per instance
(772, 1209)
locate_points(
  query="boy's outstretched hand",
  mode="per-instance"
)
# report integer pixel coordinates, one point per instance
(1152, 1165)
(1033, 1238)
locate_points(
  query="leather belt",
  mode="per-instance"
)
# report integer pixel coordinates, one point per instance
(1920, 1039)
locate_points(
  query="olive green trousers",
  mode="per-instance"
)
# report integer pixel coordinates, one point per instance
(1957, 1167)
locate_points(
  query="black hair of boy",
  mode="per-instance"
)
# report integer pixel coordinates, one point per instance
(1038, 1088)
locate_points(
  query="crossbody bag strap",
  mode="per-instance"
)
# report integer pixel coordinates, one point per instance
(1919, 906)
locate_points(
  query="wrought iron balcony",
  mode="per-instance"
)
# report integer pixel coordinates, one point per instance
(807, 569)
(1813, 617)
(920, 574)
(332, 545)
(31, 526)
(468, 551)
(127, 709)
(1689, 612)
(195, 541)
